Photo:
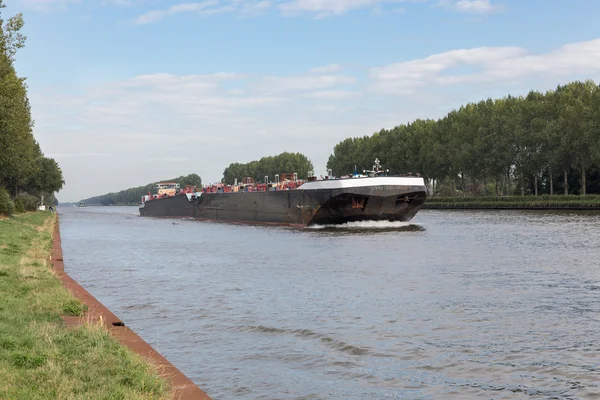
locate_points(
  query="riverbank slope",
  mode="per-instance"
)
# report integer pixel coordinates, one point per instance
(50, 345)
(543, 202)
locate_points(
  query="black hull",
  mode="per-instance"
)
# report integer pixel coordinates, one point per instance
(296, 207)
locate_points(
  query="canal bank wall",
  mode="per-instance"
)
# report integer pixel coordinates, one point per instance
(439, 206)
(457, 204)
(182, 388)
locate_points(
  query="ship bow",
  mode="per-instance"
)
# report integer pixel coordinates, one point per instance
(374, 199)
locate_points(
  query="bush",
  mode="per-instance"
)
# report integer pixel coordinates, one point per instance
(29, 202)
(7, 207)
(19, 206)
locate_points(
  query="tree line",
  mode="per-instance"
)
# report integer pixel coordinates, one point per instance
(539, 143)
(266, 166)
(132, 196)
(269, 166)
(25, 173)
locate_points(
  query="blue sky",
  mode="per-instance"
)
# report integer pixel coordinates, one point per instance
(125, 92)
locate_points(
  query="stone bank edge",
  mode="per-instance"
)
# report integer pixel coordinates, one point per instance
(512, 203)
(182, 387)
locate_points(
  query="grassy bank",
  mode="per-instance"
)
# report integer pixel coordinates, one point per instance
(39, 357)
(525, 202)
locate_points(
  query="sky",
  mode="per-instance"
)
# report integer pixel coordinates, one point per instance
(128, 92)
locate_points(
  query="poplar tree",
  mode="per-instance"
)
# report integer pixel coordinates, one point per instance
(23, 166)
(521, 145)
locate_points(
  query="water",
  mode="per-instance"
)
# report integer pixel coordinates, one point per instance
(454, 305)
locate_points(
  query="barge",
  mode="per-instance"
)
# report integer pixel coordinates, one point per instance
(370, 196)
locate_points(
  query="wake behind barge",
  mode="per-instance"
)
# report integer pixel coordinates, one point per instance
(370, 196)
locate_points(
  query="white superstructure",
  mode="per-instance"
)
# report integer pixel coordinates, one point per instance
(362, 182)
(376, 177)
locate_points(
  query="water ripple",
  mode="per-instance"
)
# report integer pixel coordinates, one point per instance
(454, 305)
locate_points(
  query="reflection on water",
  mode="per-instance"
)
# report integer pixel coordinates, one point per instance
(453, 305)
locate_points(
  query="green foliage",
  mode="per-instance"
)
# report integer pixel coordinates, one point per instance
(12, 38)
(17, 160)
(28, 202)
(514, 145)
(22, 163)
(269, 166)
(40, 358)
(74, 307)
(7, 207)
(48, 177)
(19, 206)
(132, 196)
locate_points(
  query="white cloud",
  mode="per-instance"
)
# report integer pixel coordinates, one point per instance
(327, 69)
(379, 10)
(66, 155)
(470, 6)
(303, 83)
(318, 8)
(486, 65)
(327, 7)
(251, 8)
(163, 125)
(324, 8)
(208, 7)
(118, 2)
(331, 94)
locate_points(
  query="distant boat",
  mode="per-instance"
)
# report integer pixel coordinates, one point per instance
(82, 204)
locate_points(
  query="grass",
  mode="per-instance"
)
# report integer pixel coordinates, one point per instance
(590, 198)
(39, 357)
(517, 201)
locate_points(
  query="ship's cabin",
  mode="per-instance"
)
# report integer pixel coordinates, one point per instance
(166, 188)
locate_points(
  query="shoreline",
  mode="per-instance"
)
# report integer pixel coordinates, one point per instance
(182, 387)
(548, 202)
(499, 205)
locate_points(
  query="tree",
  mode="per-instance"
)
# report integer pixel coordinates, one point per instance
(522, 140)
(133, 195)
(17, 160)
(12, 38)
(269, 166)
(49, 177)
(23, 166)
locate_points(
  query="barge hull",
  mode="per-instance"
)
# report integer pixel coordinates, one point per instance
(298, 208)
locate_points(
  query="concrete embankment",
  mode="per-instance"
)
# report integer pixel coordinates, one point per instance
(182, 387)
